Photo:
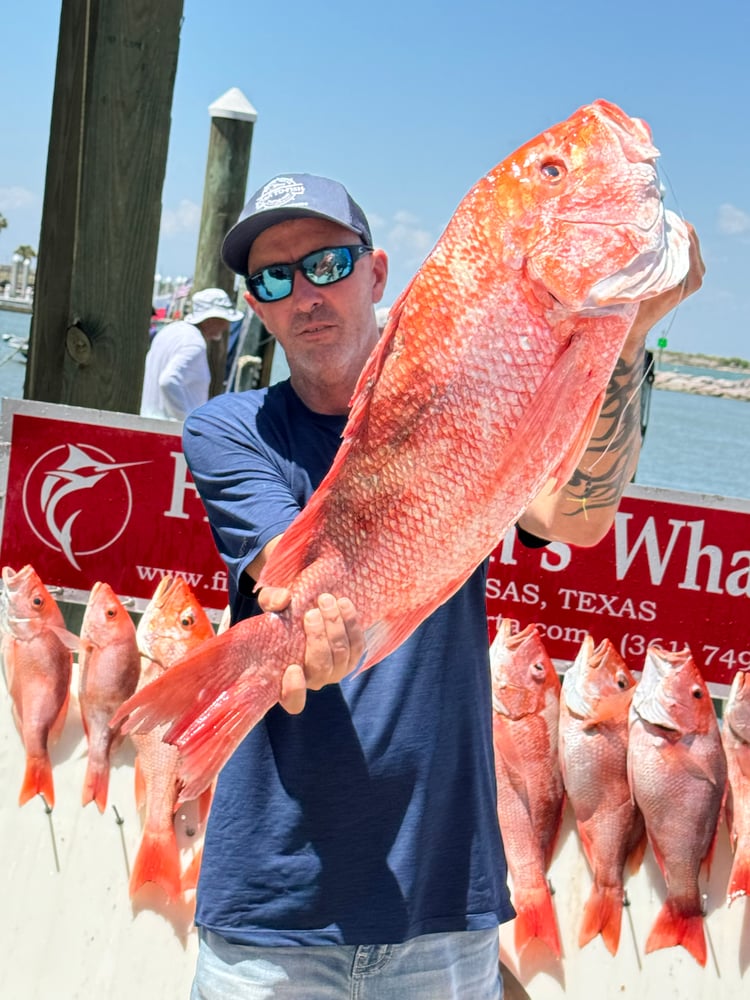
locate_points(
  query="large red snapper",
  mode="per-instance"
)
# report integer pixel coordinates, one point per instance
(37, 659)
(736, 739)
(110, 666)
(530, 795)
(678, 774)
(172, 624)
(594, 704)
(486, 383)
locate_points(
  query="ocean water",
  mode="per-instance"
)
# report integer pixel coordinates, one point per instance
(697, 443)
(12, 362)
(700, 444)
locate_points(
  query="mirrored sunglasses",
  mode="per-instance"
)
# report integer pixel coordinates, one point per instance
(323, 267)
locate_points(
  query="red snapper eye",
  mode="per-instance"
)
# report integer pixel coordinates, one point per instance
(553, 171)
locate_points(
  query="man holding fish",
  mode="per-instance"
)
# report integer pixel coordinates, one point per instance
(353, 846)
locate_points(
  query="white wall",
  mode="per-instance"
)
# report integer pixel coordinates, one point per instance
(668, 974)
(72, 933)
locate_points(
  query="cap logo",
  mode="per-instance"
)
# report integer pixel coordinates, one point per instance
(279, 192)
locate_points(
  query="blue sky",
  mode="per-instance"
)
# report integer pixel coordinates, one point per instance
(409, 103)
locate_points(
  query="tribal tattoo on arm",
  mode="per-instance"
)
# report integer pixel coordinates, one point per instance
(612, 453)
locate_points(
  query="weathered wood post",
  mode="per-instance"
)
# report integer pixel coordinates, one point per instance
(111, 115)
(232, 121)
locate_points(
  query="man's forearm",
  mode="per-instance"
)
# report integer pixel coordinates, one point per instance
(581, 511)
(608, 464)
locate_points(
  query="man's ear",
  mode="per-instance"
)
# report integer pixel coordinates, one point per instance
(379, 273)
(255, 305)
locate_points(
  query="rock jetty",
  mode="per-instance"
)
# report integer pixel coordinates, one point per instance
(703, 385)
(708, 379)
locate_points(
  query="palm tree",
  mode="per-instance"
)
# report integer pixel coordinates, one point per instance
(26, 252)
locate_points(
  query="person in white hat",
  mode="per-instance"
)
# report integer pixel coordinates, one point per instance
(177, 375)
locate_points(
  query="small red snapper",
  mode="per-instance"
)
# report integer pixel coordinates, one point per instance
(678, 774)
(736, 738)
(110, 667)
(530, 795)
(594, 704)
(172, 624)
(38, 658)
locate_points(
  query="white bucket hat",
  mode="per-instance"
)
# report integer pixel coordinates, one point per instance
(212, 302)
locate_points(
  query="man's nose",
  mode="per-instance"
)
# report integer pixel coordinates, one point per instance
(304, 291)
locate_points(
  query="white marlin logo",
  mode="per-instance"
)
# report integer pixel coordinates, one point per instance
(78, 472)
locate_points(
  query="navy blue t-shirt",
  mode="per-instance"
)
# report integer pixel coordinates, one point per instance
(371, 817)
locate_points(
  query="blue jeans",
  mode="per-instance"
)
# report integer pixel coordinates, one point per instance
(455, 966)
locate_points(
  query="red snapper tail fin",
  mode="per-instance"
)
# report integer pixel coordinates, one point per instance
(37, 780)
(96, 783)
(602, 915)
(211, 699)
(158, 861)
(672, 928)
(535, 918)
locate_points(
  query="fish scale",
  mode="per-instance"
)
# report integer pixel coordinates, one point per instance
(530, 289)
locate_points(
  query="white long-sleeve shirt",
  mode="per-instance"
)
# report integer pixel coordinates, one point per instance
(177, 376)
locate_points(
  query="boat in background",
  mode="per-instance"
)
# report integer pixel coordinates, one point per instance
(18, 348)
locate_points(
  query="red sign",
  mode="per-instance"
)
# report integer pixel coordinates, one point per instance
(673, 570)
(105, 496)
(102, 496)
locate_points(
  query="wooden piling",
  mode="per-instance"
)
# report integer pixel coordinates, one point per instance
(106, 161)
(232, 121)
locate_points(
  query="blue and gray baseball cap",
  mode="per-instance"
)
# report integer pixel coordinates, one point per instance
(291, 196)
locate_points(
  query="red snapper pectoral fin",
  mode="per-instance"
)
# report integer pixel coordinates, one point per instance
(682, 759)
(609, 708)
(69, 639)
(576, 384)
(569, 461)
